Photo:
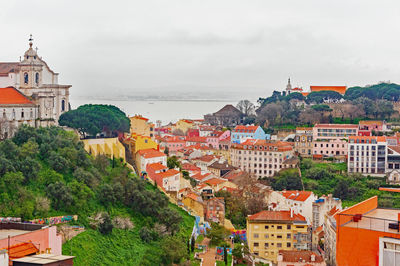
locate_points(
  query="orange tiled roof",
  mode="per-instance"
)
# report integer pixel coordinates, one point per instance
(339, 89)
(332, 211)
(22, 250)
(11, 95)
(300, 255)
(276, 216)
(206, 158)
(262, 144)
(140, 117)
(190, 167)
(296, 195)
(156, 166)
(249, 129)
(196, 139)
(168, 173)
(151, 153)
(200, 177)
(214, 181)
(194, 197)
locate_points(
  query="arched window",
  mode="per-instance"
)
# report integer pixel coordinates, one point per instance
(37, 78)
(26, 78)
(13, 114)
(63, 105)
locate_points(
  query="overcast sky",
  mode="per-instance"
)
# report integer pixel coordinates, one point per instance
(244, 48)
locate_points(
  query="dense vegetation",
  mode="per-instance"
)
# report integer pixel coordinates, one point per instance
(46, 172)
(381, 91)
(370, 102)
(93, 119)
(332, 178)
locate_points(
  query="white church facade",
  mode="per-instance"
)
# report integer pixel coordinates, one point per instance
(30, 94)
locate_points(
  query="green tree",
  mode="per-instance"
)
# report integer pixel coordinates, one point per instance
(92, 119)
(105, 226)
(172, 162)
(173, 250)
(217, 234)
(192, 244)
(60, 195)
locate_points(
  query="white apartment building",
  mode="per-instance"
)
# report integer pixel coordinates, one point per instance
(367, 155)
(261, 158)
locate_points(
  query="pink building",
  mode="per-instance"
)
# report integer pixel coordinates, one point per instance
(43, 237)
(216, 136)
(365, 128)
(173, 143)
(331, 139)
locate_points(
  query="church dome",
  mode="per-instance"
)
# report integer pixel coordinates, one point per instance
(31, 54)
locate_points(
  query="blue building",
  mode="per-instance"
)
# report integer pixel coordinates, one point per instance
(241, 133)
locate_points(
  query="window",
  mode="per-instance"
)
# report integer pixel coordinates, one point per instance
(37, 78)
(266, 235)
(279, 236)
(22, 114)
(289, 226)
(26, 78)
(279, 245)
(255, 244)
(289, 236)
(288, 244)
(266, 245)
(266, 227)
(62, 105)
(279, 227)
(255, 235)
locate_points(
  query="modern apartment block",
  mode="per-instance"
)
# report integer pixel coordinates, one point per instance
(368, 235)
(303, 141)
(367, 155)
(330, 140)
(261, 158)
(268, 232)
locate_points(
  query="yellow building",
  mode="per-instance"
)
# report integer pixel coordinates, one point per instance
(141, 126)
(271, 231)
(110, 147)
(183, 125)
(139, 142)
(194, 203)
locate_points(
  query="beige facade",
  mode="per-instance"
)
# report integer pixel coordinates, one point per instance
(303, 144)
(261, 158)
(110, 147)
(141, 126)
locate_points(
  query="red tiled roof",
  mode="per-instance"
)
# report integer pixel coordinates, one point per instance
(262, 144)
(395, 148)
(200, 177)
(11, 95)
(234, 174)
(156, 166)
(299, 256)
(249, 129)
(297, 89)
(206, 158)
(168, 173)
(190, 167)
(332, 211)
(276, 216)
(196, 139)
(214, 181)
(150, 153)
(140, 117)
(194, 197)
(296, 195)
(22, 250)
(6, 68)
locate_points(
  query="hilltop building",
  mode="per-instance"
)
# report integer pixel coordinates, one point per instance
(228, 116)
(42, 99)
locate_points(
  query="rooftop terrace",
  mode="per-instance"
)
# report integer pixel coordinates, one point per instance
(379, 219)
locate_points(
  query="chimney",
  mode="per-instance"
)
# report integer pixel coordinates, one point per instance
(291, 212)
(312, 257)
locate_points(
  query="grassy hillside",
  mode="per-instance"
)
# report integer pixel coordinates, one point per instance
(46, 172)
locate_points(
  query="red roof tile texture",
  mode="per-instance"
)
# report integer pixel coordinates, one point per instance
(296, 195)
(299, 256)
(276, 216)
(22, 250)
(150, 153)
(11, 95)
